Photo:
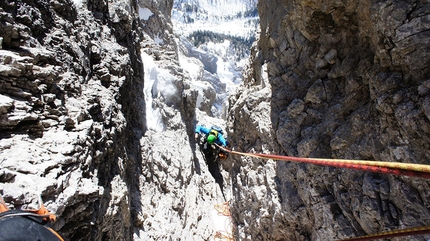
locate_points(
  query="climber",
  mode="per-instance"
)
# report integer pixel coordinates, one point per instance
(27, 224)
(212, 136)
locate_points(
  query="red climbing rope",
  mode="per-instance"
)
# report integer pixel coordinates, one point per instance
(392, 234)
(396, 168)
(224, 210)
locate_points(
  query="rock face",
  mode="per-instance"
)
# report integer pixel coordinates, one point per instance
(74, 125)
(68, 125)
(84, 123)
(333, 79)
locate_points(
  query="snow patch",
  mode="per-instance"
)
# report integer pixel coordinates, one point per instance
(190, 65)
(77, 2)
(159, 84)
(227, 17)
(195, 71)
(158, 40)
(264, 75)
(144, 13)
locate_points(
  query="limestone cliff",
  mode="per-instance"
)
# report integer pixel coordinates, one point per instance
(333, 79)
(69, 129)
(74, 121)
(87, 122)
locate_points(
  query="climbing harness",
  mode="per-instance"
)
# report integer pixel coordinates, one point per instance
(27, 224)
(222, 155)
(211, 150)
(396, 168)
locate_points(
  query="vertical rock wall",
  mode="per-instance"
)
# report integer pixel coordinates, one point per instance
(68, 119)
(333, 79)
(73, 121)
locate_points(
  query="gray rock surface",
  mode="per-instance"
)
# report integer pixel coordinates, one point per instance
(65, 72)
(74, 125)
(332, 79)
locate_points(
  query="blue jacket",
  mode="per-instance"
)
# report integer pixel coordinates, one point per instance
(220, 140)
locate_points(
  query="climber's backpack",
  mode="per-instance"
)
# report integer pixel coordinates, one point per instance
(22, 225)
(26, 225)
(215, 130)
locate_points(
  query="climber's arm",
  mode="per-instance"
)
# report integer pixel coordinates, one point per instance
(202, 129)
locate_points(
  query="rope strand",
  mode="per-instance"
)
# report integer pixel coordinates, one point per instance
(395, 168)
(392, 234)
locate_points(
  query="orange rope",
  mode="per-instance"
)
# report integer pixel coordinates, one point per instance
(224, 210)
(221, 236)
(396, 168)
(393, 233)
